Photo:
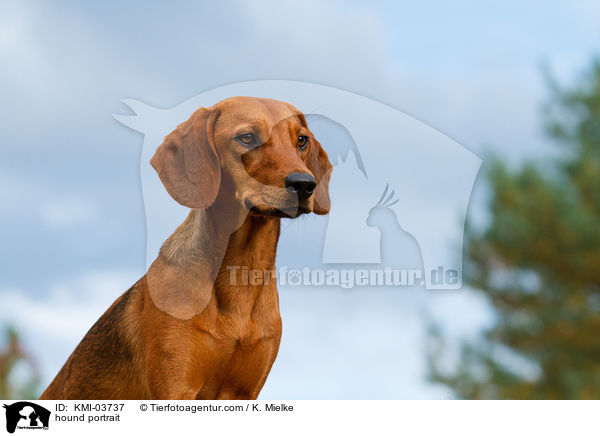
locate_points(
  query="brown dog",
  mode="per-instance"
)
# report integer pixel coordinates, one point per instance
(192, 327)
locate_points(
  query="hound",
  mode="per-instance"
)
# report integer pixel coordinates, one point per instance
(190, 328)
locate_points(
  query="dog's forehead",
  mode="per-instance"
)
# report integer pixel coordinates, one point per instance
(256, 110)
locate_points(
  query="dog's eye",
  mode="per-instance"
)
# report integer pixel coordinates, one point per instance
(302, 142)
(247, 139)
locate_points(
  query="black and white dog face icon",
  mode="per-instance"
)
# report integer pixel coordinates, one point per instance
(28, 417)
(26, 414)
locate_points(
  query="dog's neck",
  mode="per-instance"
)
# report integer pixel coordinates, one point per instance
(225, 231)
(211, 234)
(200, 257)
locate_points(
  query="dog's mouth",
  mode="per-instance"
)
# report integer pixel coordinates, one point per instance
(284, 211)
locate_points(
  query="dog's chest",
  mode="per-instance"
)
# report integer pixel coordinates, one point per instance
(238, 355)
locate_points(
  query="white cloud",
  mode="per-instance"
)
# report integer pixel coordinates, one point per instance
(360, 344)
(69, 212)
(54, 322)
(54, 209)
(18, 52)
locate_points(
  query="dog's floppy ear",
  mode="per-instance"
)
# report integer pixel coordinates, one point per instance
(187, 162)
(318, 163)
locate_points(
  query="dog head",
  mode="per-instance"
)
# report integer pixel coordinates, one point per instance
(257, 151)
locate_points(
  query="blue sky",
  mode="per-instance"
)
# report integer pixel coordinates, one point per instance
(72, 216)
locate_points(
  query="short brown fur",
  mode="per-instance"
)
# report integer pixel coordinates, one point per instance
(184, 331)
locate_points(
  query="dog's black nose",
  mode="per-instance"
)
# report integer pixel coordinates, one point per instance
(302, 184)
